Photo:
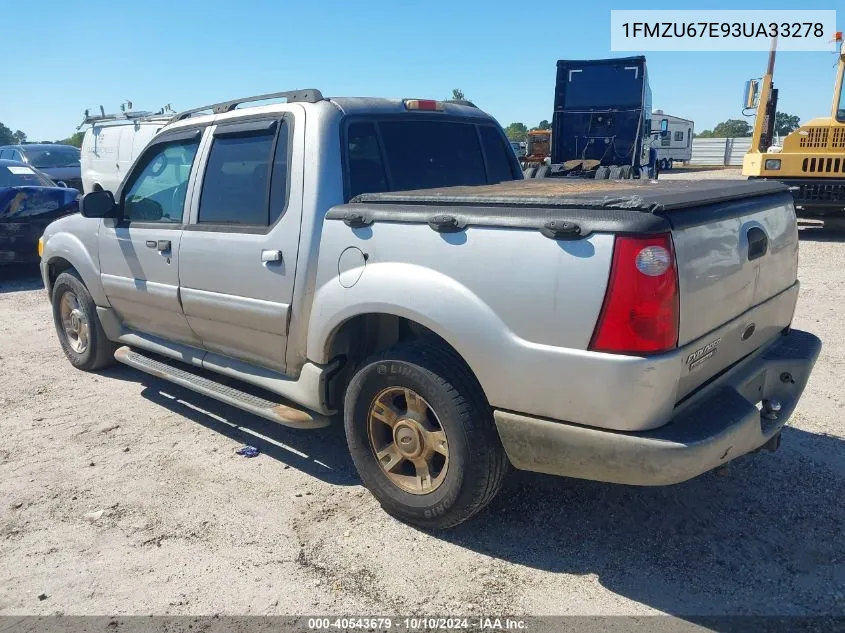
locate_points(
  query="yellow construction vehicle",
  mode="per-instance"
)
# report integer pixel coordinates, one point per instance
(811, 160)
(538, 148)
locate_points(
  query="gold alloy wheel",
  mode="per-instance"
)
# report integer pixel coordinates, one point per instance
(408, 441)
(74, 323)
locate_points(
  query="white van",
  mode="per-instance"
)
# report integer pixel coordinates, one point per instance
(111, 145)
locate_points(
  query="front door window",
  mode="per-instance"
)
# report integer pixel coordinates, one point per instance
(157, 194)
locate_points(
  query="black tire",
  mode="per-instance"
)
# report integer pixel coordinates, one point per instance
(477, 463)
(670, 164)
(99, 351)
(543, 171)
(602, 173)
(626, 172)
(529, 172)
(615, 173)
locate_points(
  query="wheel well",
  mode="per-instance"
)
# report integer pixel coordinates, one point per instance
(366, 334)
(56, 267)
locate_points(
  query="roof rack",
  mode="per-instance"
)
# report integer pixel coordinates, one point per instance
(308, 95)
(164, 114)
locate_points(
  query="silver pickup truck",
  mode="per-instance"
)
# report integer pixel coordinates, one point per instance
(385, 259)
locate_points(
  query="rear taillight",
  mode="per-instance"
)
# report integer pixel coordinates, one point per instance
(641, 306)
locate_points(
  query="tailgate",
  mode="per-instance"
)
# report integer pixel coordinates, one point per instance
(735, 259)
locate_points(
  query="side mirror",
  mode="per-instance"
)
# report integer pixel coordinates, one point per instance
(98, 204)
(664, 127)
(752, 94)
(61, 183)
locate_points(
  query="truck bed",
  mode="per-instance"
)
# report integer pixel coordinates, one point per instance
(594, 206)
(727, 289)
(584, 193)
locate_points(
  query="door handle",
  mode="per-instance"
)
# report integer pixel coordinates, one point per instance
(159, 245)
(271, 256)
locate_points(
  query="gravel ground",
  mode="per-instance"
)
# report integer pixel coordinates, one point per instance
(122, 494)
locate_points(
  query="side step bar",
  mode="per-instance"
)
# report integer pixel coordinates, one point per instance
(274, 411)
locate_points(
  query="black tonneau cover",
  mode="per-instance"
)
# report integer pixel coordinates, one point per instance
(565, 208)
(577, 193)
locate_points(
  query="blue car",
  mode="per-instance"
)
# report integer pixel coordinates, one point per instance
(60, 163)
(29, 201)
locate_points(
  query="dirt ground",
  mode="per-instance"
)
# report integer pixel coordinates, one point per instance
(122, 494)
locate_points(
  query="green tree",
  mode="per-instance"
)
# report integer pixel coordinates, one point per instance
(20, 137)
(458, 95)
(786, 123)
(732, 128)
(7, 137)
(542, 125)
(74, 139)
(704, 134)
(516, 131)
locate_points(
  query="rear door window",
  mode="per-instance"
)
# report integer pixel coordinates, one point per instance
(236, 188)
(403, 154)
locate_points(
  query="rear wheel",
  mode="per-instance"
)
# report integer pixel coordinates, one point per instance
(422, 436)
(615, 173)
(670, 164)
(78, 326)
(625, 172)
(602, 173)
(529, 172)
(542, 171)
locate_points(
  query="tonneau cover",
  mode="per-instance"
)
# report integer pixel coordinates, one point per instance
(578, 193)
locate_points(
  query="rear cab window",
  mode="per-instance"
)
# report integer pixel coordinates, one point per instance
(399, 153)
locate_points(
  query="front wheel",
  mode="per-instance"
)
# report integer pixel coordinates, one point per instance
(422, 436)
(78, 326)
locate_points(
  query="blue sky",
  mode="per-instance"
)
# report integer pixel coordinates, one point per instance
(82, 54)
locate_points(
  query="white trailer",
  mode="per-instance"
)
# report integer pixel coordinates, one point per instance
(676, 146)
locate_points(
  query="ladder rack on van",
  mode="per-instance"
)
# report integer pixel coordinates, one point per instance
(126, 116)
(308, 95)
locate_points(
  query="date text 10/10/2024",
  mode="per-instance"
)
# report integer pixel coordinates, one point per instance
(417, 624)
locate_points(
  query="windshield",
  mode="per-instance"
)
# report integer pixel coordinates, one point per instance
(22, 176)
(609, 86)
(47, 157)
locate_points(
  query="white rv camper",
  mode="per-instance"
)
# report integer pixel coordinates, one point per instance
(112, 142)
(676, 146)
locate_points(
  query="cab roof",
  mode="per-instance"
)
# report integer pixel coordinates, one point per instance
(346, 105)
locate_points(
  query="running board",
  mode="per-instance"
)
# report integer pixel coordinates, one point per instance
(274, 411)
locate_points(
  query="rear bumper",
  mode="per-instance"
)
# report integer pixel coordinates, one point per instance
(19, 241)
(717, 424)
